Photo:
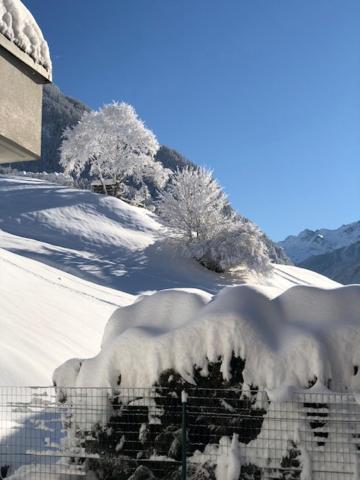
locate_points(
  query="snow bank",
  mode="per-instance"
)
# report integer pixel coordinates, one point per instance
(19, 26)
(304, 335)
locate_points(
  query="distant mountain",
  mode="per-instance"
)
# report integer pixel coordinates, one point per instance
(342, 265)
(311, 243)
(334, 253)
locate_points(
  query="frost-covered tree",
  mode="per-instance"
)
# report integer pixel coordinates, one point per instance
(205, 226)
(193, 204)
(113, 143)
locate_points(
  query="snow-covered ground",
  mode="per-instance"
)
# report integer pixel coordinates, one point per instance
(69, 258)
(46, 316)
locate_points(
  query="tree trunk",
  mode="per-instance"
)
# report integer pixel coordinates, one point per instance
(100, 176)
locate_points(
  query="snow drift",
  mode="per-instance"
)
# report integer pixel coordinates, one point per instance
(303, 336)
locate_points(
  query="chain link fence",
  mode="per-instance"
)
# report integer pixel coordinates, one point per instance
(163, 433)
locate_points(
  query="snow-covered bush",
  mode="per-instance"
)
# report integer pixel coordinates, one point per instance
(112, 143)
(205, 227)
(239, 355)
(239, 243)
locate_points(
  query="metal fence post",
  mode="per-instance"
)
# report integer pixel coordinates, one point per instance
(184, 399)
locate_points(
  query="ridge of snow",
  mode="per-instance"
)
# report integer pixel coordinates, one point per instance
(309, 243)
(19, 26)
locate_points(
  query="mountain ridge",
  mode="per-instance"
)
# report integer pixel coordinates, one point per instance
(331, 252)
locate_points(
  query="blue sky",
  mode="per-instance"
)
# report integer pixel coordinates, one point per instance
(265, 92)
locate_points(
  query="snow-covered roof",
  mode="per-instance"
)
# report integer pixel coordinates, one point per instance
(19, 26)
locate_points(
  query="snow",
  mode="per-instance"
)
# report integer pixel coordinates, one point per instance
(46, 316)
(82, 255)
(19, 26)
(107, 241)
(87, 283)
(99, 239)
(229, 461)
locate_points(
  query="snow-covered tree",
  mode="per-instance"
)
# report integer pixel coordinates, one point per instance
(193, 204)
(113, 143)
(238, 243)
(204, 225)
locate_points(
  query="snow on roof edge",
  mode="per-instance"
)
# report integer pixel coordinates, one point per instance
(19, 26)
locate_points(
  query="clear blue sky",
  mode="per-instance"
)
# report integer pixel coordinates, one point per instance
(265, 92)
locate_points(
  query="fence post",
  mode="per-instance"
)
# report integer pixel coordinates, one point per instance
(184, 399)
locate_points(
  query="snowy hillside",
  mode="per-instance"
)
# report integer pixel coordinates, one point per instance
(310, 243)
(47, 315)
(70, 258)
(100, 239)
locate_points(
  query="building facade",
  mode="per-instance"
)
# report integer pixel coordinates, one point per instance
(21, 83)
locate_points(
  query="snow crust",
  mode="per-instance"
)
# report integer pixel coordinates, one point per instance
(303, 335)
(19, 26)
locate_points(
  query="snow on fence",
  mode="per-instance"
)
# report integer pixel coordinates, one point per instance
(164, 433)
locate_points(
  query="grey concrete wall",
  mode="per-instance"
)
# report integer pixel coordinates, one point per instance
(20, 108)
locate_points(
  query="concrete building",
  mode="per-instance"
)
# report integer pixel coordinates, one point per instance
(21, 82)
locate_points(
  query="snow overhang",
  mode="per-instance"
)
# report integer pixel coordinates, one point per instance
(25, 62)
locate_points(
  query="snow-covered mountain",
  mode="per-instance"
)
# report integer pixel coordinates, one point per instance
(342, 264)
(69, 258)
(311, 243)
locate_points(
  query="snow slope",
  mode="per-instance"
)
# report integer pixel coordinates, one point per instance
(310, 243)
(69, 258)
(98, 238)
(104, 240)
(46, 316)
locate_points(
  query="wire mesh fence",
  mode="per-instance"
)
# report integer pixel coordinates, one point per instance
(159, 433)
